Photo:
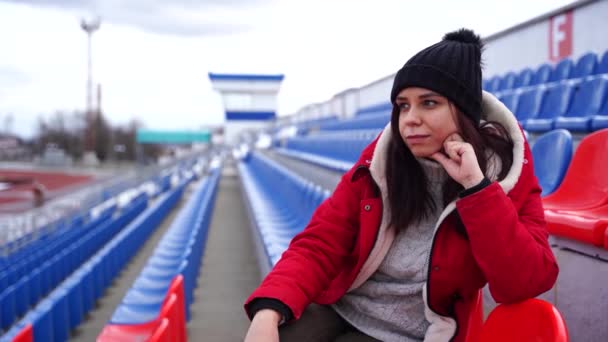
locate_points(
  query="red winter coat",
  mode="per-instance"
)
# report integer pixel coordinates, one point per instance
(346, 240)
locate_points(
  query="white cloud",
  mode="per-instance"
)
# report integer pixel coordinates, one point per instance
(153, 60)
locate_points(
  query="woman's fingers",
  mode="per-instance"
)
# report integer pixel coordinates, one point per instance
(447, 163)
(454, 150)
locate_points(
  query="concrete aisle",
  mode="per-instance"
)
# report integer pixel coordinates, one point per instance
(229, 269)
(113, 295)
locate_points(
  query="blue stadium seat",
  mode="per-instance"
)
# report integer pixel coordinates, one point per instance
(600, 121)
(368, 121)
(74, 288)
(552, 153)
(494, 85)
(585, 104)
(42, 321)
(381, 108)
(60, 314)
(602, 67)
(508, 81)
(541, 75)
(555, 103)
(585, 66)
(7, 307)
(510, 100)
(336, 150)
(562, 71)
(279, 202)
(524, 78)
(486, 85)
(22, 297)
(530, 101)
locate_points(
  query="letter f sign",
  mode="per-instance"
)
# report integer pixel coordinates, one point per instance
(560, 36)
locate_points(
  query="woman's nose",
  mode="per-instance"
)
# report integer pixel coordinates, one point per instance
(412, 117)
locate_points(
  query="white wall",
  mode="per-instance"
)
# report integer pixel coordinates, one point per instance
(249, 101)
(326, 109)
(246, 86)
(337, 106)
(351, 102)
(529, 46)
(376, 92)
(590, 29)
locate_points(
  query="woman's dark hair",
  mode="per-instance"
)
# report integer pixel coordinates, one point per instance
(408, 194)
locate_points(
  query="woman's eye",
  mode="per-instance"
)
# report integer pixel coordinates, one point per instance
(430, 103)
(403, 106)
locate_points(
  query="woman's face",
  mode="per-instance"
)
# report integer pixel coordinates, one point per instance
(426, 119)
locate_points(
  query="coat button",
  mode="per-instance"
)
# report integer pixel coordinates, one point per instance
(367, 207)
(435, 268)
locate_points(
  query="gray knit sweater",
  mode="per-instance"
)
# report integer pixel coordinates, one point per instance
(389, 305)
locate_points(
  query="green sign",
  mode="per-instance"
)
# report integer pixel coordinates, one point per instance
(145, 136)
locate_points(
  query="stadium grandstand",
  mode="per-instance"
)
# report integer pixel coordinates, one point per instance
(170, 252)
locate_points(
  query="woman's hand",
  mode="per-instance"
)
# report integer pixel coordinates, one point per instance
(459, 161)
(264, 327)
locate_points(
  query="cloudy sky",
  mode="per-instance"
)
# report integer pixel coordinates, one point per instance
(152, 56)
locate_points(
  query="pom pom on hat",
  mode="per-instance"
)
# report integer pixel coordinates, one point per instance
(464, 36)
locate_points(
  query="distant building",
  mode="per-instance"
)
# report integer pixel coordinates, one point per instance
(13, 148)
(250, 101)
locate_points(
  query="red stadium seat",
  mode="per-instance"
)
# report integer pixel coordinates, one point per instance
(179, 320)
(169, 313)
(120, 332)
(161, 334)
(532, 320)
(25, 335)
(585, 183)
(606, 239)
(586, 225)
(170, 325)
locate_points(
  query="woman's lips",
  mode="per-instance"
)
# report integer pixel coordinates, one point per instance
(417, 138)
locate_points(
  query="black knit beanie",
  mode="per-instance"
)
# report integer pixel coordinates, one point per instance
(452, 68)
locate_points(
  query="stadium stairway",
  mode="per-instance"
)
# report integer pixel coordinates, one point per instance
(226, 275)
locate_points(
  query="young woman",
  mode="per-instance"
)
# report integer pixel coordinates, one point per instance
(443, 202)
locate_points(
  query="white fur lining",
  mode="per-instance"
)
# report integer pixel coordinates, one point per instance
(441, 328)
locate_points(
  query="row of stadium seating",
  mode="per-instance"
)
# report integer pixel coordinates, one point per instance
(64, 308)
(172, 270)
(49, 291)
(576, 105)
(281, 203)
(337, 150)
(35, 277)
(587, 65)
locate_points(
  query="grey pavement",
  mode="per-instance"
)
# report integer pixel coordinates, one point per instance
(229, 271)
